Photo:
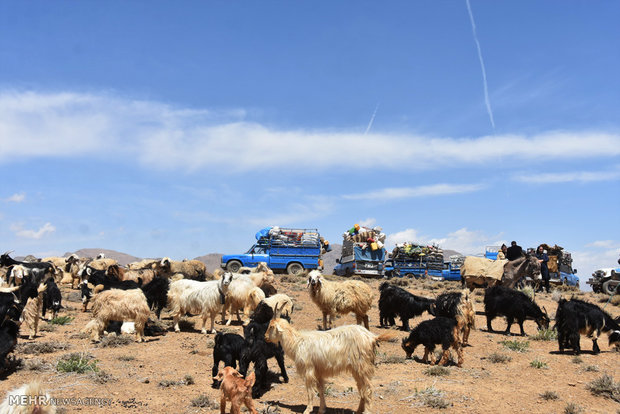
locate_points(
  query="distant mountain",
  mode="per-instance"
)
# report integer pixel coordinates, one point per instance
(122, 258)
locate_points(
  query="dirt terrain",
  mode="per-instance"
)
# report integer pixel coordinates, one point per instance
(172, 373)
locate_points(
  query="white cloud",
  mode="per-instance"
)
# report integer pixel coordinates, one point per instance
(609, 244)
(17, 198)
(163, 136)
(47, 228)
(577, 176)
(369, 222)
(411, 192)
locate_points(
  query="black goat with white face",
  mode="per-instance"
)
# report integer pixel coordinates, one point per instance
(259, 351)
(575, 317)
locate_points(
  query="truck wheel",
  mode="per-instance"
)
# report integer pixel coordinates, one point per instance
(348, 272)
(294, 269)
(233, 266)
(609, 287)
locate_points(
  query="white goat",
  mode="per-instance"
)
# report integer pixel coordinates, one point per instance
(277, 301)
(237, 296)
(320, 355)
(203, 298)
(28, 399)
(118, 305)
(340, 298)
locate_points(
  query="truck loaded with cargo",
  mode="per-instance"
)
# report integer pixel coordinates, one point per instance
(362, 252)
(283, 249)
(416, 260)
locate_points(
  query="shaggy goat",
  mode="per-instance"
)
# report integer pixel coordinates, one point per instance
(395, 301)
(52, 298)
(432, 332)
(204, 298)
(100, 280)
(319, 355)
(30, 314)
(236, 390)
(258, 351)
(229, 347)
(575, 317)
(237, 296)
(156, 292)
(340, 298)
(190, 269)
(28, 399)
(118, 305)
(460, 307)
(513, 304)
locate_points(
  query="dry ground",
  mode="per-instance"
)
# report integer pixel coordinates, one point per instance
(167, 374)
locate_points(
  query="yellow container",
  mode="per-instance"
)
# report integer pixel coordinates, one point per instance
(373, 246)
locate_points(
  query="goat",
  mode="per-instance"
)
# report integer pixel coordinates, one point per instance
(439, 330)
(156, 292)
(460, 307)
(40, 270)
(236, 390)
(229, 347)
(118, 305)
(204, 298)
(10, 312)
(340, 298)
(237, 296)
(575, 317)
(102, 263)
(28, 399)
(190, 269)
(395, 301)
(30, 313)
(513, 304)
(258, 351)
(319, 355)
(52, 298)
(101, 278)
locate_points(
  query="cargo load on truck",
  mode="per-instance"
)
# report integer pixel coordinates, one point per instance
(414, 259)
(362, 252)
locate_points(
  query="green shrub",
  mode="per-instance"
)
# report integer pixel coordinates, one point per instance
(77, 362)
(517, 346)
(538, 364)
(61, 320)
(545, 335)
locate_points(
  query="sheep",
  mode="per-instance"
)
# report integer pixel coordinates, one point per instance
(191, 269)
(28, 399)
(52, 298)
(340, 298)
(576, 317)
(500, 300)
(204, 298)
(319, 355)
(118, 305)
(237, 296)
(429, 333)
(460, 307)
(394, 301)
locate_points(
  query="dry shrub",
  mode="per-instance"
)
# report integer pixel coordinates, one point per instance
(498, 358)
(114, 341)
(549, 396)
(605, 387)
(36, 348)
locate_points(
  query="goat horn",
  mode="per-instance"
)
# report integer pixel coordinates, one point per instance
(277, 312)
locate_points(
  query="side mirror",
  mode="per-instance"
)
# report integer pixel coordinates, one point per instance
(338, 261)
(574, 271)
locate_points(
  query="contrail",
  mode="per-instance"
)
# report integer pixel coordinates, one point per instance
(372, 119)
(484, 72)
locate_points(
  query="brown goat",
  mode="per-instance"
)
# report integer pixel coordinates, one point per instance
(236, 390)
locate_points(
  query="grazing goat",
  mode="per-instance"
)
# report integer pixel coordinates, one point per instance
(432, 332)
(236, 390)
(204, 298)
(118, 305)
(28, 399)
(258, 351)
(460, 307)
(575, 317)
(52, 298)
(513, 304)
(340, 298)
(319, 355)
(229, 347)
(395, 301)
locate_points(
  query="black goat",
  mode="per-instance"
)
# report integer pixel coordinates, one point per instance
(38, 269)
(575, 317)
(395, 301)
(229, 348)
(439, 331)
(52, 299)
(92, 278)
(259, 351)
(460, 307)
(156, 292)
(503, 301)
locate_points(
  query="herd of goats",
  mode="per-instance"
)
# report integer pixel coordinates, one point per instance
(123, 298)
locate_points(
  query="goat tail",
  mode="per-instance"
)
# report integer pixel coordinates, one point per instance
(386, 337)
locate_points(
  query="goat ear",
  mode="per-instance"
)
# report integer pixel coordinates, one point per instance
(250, 380)
(277, 312)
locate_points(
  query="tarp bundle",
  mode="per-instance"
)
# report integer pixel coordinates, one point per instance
(288, 237)
(481, 267)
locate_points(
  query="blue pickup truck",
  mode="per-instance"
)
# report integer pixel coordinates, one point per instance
(283, 249)
(356, 260)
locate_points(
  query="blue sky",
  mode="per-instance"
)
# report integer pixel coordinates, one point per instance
(179, 129)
